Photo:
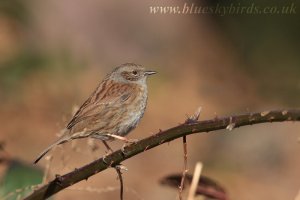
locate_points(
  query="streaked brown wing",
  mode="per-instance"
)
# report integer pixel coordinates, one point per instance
(102, 106)
(106, 121)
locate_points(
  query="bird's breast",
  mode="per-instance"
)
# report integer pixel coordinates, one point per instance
(135, 108)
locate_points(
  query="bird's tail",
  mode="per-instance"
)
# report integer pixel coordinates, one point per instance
(61, 140)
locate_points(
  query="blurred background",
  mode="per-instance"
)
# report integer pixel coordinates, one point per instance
(53, 53)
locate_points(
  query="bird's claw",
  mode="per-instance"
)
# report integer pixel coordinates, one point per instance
(127, 143)
(123, 149)
(103, 158)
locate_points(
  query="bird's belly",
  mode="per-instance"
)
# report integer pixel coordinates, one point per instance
(131, 120)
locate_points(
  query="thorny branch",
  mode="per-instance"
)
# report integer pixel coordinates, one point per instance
(113, 159)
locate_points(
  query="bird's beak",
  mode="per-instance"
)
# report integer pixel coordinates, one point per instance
(149, 72)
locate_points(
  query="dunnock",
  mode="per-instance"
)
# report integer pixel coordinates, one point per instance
(112, 110)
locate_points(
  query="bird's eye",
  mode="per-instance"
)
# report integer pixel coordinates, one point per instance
(134, 72)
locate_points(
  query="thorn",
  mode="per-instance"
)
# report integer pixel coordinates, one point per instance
(197, 113)
(230, 127)
(58, 180)
(284, 112)
(265, 113)
(161, 141)
(146, 148)
(194, 118)
(231, 124)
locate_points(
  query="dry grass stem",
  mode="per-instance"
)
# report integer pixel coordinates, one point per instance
(195, 181)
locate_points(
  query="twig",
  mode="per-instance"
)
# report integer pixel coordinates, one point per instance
(185, 168)
(121, 182)
(195, 181)
(155, 140)
(118, 169)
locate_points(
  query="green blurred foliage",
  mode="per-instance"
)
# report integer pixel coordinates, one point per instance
(268, 46)
(29, 59)
(18, 179)
(17, 68)
(28, 62)
(15, 9)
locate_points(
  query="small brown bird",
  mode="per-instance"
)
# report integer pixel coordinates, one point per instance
(112, 110)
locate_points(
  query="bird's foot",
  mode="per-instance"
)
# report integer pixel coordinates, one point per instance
(127, 143)
(104, 159)
(124, 139)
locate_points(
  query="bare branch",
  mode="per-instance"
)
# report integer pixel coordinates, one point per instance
(113, 159)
